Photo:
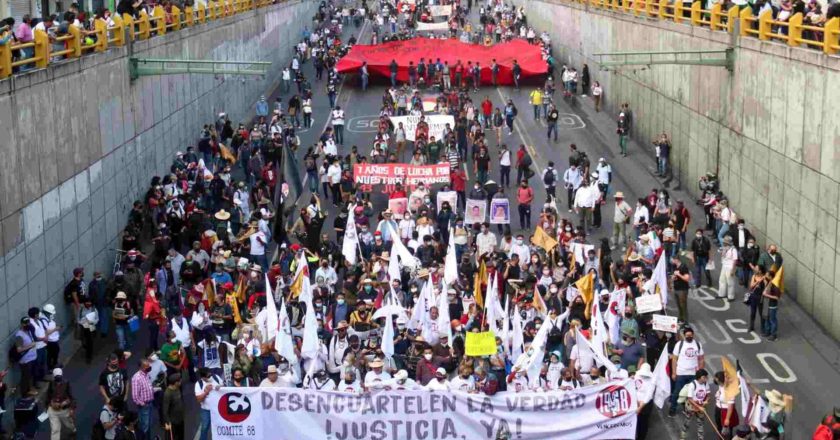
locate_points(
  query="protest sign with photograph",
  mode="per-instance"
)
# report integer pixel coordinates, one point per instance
(476, 211)
(500, 211)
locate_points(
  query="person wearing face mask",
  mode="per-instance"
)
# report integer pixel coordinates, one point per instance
(143, 395)
(464, 381)
(59, 405)
(337, 346)
(172, 353)
(771, 259)
(728, 261)
(439, 382)
(681, 282)
(569, 381)
(524, 197)
(376, 374)
(701, 246)
(113, 380)
(520, 248)
(349, 384)
(319, 381)
(687, 359)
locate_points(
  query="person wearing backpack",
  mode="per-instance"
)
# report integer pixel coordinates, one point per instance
(549, 178)
(59, 405)
(695, 396)
(106, 425)
(206, 384)
(687, 358)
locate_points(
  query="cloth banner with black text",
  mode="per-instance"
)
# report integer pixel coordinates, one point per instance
(605, 411)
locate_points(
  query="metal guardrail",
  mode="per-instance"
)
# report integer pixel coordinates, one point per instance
(78, 42)
(792, 31)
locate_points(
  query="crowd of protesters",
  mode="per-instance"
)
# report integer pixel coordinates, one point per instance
(218, 240)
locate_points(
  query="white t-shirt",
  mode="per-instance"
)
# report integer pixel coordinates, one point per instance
(697, 391)
(258, 248)
(334, 174)
(199, 389)
(372, 377)
(338, 117)
(582, 363)
(437, 385)
(688, 354)
(459, 384)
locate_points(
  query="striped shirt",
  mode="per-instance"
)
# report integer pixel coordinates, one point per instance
(453, 157)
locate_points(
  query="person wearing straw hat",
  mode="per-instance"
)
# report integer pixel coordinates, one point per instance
(376, 374)
(621, 217)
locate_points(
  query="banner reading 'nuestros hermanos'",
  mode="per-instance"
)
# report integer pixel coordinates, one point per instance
(597, 412)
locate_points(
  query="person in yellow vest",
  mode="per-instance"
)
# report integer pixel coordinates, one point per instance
(536, 101)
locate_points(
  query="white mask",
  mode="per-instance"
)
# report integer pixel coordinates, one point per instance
(427, 356)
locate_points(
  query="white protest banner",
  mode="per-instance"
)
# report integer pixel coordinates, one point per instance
(606, 411)
(648, 303)
(437, 123)
(424, 27)
(440, 10)
(393, 173)
(665, 323)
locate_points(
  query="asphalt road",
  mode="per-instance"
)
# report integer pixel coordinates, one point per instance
(803, 362)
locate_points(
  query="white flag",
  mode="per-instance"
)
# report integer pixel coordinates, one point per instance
(746, 395)
(398, 248)
(660, 278)
(309, 347)
(618, 299)
(597, 349)
(283, 343)
(759, 414)
(663, 382)
(419, 314)
(444, 324)
(394, 262)
(450, 271)
(517, 339)
(505, 333)
(271, 320)
(351, 237)
(388, 312)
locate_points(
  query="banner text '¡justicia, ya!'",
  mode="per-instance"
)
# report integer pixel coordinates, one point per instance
(364, 405)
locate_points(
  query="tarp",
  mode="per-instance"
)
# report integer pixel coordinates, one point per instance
(424, 27)
(379, 57)
(606, 411)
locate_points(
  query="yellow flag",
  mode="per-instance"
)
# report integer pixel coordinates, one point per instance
(586, 286)
(544, 240)
(480, 278)
(241, 288)
(297, 285)
(572, 262)
(731, 383)
(779, 279)
(227, 154)
(234, 306)
(210, 291)
(538, 302)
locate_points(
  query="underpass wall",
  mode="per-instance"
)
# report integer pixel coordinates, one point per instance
(769, 129)
(80, 142)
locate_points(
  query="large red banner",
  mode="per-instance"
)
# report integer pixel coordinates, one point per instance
(378, 57)
(393, 173)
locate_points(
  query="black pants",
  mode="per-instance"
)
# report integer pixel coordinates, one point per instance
(525, 216)
(570, 192)
(505, 175)
(757, 308)
(336, 193)
(642, 422)
(177, 432)
(551, 191)
(87, 343)
(596, 216)
(52, 355)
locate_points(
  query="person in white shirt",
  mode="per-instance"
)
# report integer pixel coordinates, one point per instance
(376, 374)
(251, 344)
(338, 124)
(486, 241)
(328, 273)
(400, 381)
(555, 368)
(334, 176)
(464, 381)
(206, 384)
(349, 384)
(439, 382)
(53, 331)
(406, 227)
(568, 381)
(272, 380)
(329, 148)
(258, 242)
(572, 179)
(687, 358)
(319, 381)
(520, 248)
(287, 374)
(696, 395)
(640, 216)
(728, 260)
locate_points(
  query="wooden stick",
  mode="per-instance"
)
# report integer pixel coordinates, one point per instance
(712, 423)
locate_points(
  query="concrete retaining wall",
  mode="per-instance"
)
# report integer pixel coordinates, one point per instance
(80, 142)
(768, 128)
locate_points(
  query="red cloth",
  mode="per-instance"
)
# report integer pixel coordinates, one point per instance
(379, 57)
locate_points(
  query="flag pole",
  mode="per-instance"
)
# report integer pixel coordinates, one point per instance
(720, 436)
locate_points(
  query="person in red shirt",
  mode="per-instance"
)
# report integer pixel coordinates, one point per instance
(398, 192)
(458, 177)
(524, 196)
(486, 111)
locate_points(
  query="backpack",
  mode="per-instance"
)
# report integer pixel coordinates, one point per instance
(98, 430)
(555, 335)
(549, 178)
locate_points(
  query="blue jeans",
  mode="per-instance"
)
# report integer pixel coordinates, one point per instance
(771, 326)
(393, 80)
(678, 386)
(699, 269)
(313, 181)
(123, 337)
(662, 165)
(104, 323)
(144, 420)
(724, 228)
(204, 427)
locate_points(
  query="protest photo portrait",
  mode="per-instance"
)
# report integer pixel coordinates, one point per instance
(499, 212)
(476, 211)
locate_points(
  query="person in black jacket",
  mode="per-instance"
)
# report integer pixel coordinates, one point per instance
(747, 252)
(701, 247)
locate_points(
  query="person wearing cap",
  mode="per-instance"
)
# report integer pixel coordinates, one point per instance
(401, 381)
(123, 310)
(439, 382)
(631, 351)
(621, 217)
(59, 404)
(337, 346)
